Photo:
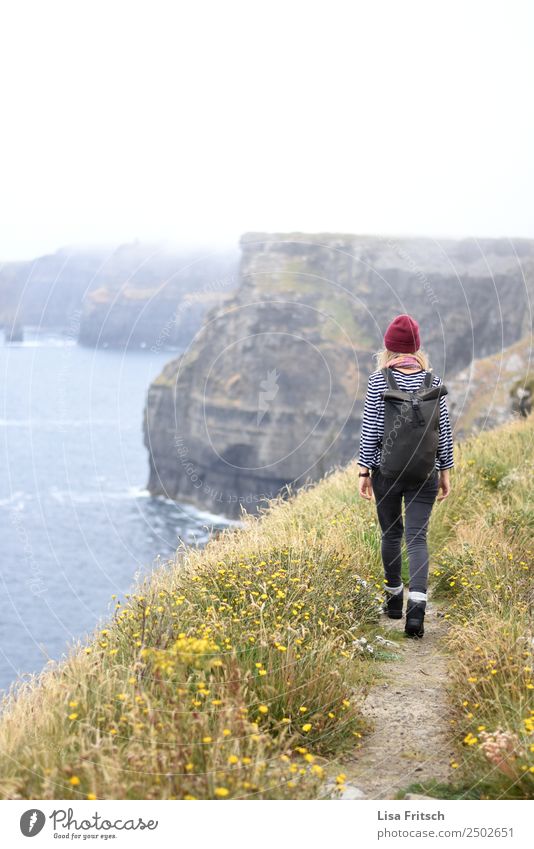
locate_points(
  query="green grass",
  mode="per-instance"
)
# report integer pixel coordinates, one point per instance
(483, 577)
(234, 672)
(469, 790)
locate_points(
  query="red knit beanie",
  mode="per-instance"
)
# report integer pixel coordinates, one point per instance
(402, 335)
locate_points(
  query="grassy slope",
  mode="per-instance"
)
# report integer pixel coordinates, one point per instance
(236, 672)
(488, 397)
(483, 577)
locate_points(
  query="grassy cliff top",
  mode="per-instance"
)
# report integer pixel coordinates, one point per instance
(239, 671)
(507, 245)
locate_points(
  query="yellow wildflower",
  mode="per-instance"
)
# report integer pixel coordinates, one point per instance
(470, 739)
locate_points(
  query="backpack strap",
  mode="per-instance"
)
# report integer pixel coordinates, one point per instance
(428, 379)
(390, 380)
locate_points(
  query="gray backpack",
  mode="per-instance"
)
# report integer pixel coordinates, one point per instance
(411, 430)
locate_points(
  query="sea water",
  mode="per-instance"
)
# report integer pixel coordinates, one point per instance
(77, 525)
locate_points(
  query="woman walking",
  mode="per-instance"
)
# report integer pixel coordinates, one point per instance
(410, 461)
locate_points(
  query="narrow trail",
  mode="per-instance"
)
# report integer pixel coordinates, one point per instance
(409, 714)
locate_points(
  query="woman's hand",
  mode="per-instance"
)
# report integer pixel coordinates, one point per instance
(366, 487)
(444, 486)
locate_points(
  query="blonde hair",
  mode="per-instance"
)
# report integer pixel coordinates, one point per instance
(384, 356)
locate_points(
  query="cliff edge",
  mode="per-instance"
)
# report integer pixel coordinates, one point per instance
(269, 392)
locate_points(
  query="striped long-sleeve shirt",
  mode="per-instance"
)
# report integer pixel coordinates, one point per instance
(373, 419)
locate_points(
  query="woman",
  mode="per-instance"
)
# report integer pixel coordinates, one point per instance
(409, 364)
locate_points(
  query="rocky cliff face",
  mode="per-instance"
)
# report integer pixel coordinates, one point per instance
(270, 391)
(487, 392)
(48, 291)
(147, 298)
(136, 295)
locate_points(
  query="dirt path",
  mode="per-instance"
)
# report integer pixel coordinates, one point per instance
(408, 711)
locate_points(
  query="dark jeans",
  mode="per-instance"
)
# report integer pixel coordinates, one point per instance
(418, 503)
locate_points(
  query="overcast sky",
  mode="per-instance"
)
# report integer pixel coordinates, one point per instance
(192, 122)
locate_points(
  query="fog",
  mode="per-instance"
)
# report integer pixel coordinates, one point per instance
(192, 123)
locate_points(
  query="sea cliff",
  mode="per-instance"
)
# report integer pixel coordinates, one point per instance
(135, 295)
(246, 669)
(270, 392)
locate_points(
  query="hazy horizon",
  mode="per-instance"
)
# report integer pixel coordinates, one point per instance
(172, 248)
(191, 125)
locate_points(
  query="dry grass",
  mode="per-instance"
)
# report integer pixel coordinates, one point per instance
(484, 576)
(235, 672)
(231, 673)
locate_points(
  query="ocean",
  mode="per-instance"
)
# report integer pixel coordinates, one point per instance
(77, 525)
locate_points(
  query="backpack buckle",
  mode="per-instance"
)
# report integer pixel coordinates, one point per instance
(418, 418)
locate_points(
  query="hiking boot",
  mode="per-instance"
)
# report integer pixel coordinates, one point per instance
(415, 617)
(392, 606)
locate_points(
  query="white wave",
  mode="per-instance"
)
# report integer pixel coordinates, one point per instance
(92, 496)
(52, 342)
(204, 517)
(197, 515)
(62, 423)
(138, 492)
(16, 500)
